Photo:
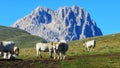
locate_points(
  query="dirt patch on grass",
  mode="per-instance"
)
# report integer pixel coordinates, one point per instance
(45, 63)
(37, 63)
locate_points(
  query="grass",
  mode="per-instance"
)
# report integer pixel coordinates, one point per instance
(93, 62)
(105, 55)
(9, 32)
(21, 38)
(75, 59)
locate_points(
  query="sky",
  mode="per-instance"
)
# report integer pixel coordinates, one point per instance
(106, 13)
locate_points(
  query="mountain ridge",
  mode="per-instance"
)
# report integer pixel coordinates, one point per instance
(66, 23)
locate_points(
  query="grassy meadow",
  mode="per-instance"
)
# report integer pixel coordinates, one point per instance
(105, 55)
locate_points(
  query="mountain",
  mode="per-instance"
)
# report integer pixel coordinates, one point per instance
(66, 23)
(20, 37)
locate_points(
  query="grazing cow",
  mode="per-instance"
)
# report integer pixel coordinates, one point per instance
(8, 49)
(44, 47)
(60, 49)
(90, 44)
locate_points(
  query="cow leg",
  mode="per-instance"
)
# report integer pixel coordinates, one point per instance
(40, 54)
(64, 55)
(54, 54)
(87, 49)
(58, 55)
(1, 53)
(37, 53)
(61, 56)
(5, 55)
(9, 55)
(92, 49)
(50, 53)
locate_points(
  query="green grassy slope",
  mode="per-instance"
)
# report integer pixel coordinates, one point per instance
(104, 44)
(109, 44)
(20, 37)
(105, 55)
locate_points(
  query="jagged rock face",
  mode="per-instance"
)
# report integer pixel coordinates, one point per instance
(65, 23)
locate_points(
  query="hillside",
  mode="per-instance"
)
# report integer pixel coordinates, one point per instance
(24, 39)
(69, 23)
(109, 44)
(110, 40)
(20, 37)
(105, 55)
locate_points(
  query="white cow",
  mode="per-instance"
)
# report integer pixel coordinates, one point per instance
(60, 49)
(90, 44)
(44, 47)
(8, 49)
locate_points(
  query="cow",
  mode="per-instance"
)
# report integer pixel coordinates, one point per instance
(90, 44)
(8, 49)
(44, 47)
(60, 49)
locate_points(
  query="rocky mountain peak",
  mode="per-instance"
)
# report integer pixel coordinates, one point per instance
(66, 23)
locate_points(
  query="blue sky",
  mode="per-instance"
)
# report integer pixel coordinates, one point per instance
(106, 13)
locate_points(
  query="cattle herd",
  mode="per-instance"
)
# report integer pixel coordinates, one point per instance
(58, 48)
(8, 50)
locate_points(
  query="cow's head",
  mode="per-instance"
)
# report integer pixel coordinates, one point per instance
(16, 51)
(55, 45)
